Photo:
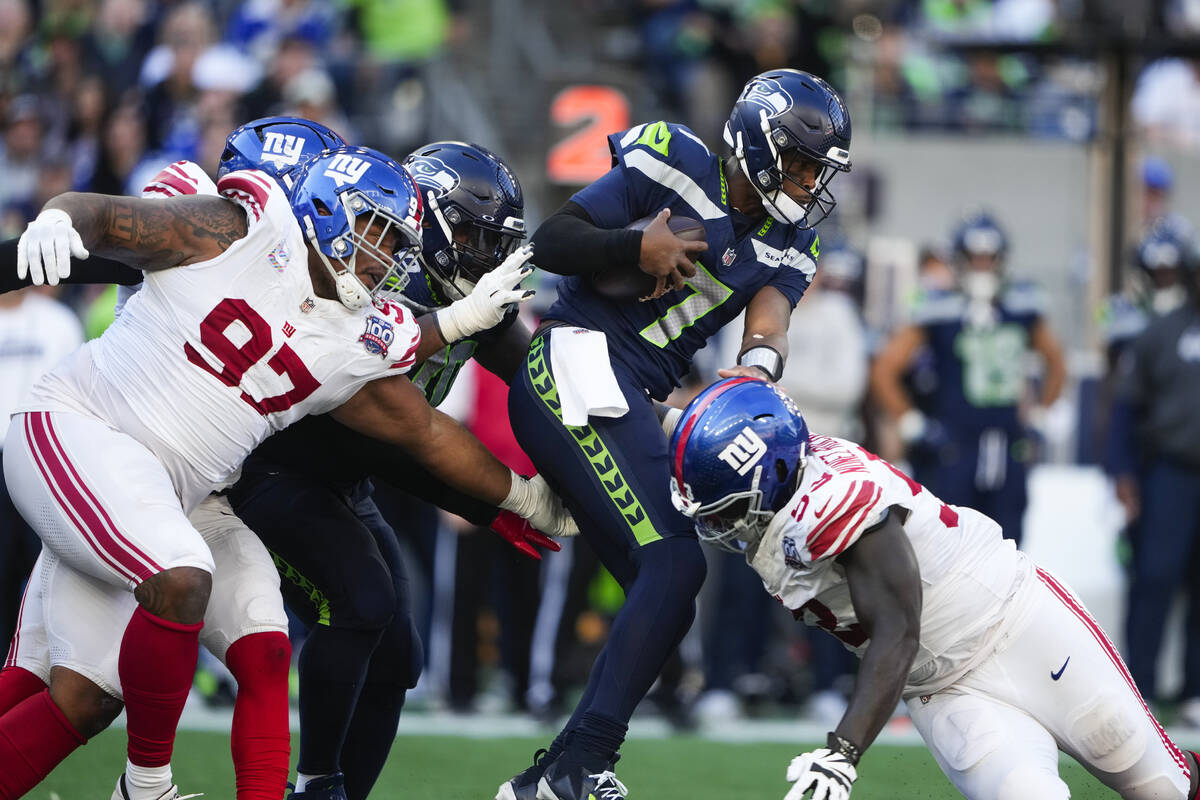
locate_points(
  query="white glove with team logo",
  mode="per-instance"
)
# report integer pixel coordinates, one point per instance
(533, 499)
(827, 773)
(46, 247)
(484, 308)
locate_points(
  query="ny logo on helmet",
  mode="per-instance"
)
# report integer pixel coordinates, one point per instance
(767, 94)
(744, 451)
(429, 169)
(346, 169)
(282, 148)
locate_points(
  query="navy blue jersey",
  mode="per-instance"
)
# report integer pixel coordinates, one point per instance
(662, 165)
(436, 375)
(980, 369)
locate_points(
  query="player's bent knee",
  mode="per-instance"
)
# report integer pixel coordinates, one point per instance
(1032, 783)
(398, 658)
(369, 604)
(86, 706)
(179, 594)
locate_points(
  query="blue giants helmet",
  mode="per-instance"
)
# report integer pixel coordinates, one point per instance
(331, 191)
(275, 145)
(476, 212)
(783, 115)
(737, 453)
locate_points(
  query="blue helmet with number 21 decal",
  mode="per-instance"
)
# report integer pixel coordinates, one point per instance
(737, 453)
(329, 194)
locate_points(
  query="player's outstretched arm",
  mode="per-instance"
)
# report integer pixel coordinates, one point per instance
(93, 270)
(144, 234)
(395, 411)
(764, 347)
(885, 588)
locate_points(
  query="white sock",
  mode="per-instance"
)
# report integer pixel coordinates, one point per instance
(147, 783)
(302, 780)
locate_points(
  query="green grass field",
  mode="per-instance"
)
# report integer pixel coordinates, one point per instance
(450, 768)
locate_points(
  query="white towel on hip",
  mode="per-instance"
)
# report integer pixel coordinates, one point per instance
(584, 377)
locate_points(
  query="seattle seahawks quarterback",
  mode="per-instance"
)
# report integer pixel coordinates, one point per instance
(581, 405)
(999, 663)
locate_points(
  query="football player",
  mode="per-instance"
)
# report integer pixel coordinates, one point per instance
(307, 486)
(581, 405)
(355, 594)
(969, 443)
(223, 345)
(999, 663)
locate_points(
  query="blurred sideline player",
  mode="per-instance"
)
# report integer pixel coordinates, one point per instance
(581, 406)
(970, 445)
(351, 201)
(999, 663)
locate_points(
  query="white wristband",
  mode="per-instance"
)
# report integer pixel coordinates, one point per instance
(517, 499)
(767, 358)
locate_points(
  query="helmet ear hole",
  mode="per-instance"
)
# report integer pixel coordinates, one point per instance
(321, 208)
(781, 470)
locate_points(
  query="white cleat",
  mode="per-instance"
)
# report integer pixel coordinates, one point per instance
(122, 793)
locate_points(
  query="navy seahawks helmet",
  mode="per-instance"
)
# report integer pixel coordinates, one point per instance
(475, 212)
(737, 453)
(276, 145)
(1165, 247)
(783, 115)
(331, 191)
(979, 234)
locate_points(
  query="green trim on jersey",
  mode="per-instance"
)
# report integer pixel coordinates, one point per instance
(656, 136)
(707, 293)
(593, 447)
(316, 596)
(437, 373)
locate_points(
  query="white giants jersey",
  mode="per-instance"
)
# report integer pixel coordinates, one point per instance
(968, 571)
(209, 359)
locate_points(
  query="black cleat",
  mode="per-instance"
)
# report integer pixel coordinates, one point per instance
(523, 785)
(331, 787)
(568, 779)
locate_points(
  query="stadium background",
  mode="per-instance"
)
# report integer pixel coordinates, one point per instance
(1043, 111)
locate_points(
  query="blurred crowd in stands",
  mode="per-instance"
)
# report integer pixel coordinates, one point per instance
(98, 95)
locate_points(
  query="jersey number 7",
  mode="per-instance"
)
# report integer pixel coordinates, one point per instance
(236, 360)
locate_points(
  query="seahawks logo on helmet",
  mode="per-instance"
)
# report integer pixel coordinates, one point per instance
(768, 94)
(432, 170)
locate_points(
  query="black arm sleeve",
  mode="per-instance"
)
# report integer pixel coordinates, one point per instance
(90, 270)
(569, 243)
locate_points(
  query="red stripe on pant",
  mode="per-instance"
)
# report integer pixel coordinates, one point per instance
(1110, 649)
(67, 494)
(95, 503)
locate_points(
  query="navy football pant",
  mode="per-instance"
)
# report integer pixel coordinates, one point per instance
(981, 471)
(1166, 552)
(343, 576)
(614, 475)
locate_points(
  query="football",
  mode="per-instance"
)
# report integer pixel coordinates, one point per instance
(628, 284)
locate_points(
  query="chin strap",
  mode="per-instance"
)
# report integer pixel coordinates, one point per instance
(351, 292)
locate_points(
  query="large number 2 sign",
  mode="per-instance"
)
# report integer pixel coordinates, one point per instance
(237, 359)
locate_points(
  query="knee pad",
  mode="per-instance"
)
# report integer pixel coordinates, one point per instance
(399, 656)
(680, 560)
(367, 602)
(1108, 733)
(1026, 783)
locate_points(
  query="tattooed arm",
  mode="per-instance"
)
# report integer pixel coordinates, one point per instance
(154, 234)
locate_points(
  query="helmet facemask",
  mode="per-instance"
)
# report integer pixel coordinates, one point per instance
(385, 239)
(475, 246)
(770, 183)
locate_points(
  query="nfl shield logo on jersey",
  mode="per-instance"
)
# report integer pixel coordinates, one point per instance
(378, 336)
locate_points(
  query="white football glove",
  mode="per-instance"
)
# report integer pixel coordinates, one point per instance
(46, 247)
(827, 773)
(533, 499)
(485, 306)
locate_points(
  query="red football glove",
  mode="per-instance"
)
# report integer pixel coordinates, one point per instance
(520, 534)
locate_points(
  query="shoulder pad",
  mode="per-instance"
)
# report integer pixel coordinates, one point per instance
(938, 308)
(1023, 297)
(178, 179)
(249, 188)
(671, 142)
(832, 513)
